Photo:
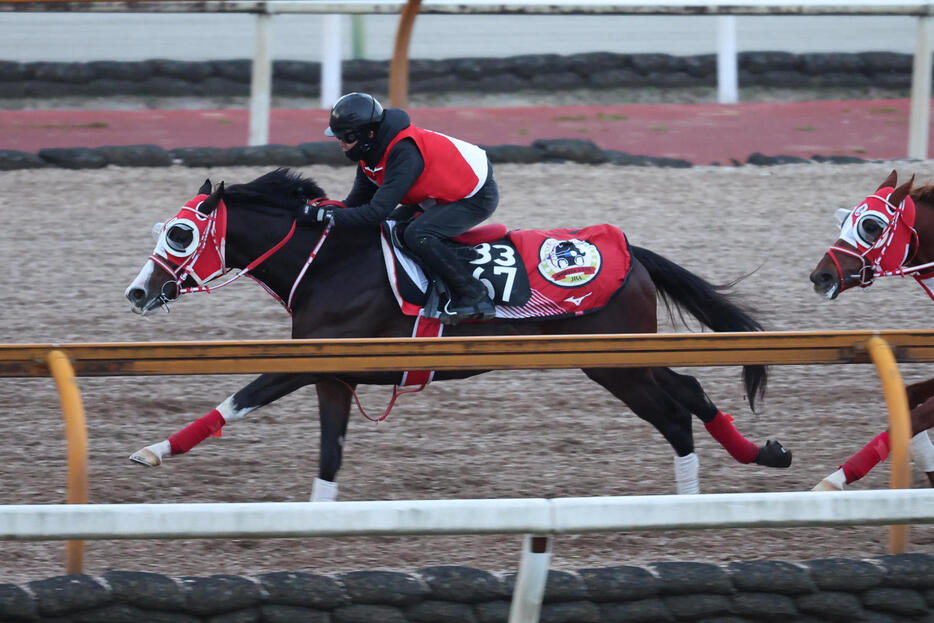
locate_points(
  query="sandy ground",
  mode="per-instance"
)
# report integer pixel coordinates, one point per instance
(71, 241)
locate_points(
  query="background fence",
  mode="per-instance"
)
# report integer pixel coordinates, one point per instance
(727, 72)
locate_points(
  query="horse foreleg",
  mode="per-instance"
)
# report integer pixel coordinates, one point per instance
(261, 391)
(333, 412)
(876, 451)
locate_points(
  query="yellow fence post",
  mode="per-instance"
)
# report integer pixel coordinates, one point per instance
(899, 428)
(77, 438)
(399, 66)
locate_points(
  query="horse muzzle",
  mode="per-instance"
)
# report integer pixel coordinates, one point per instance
(826, 283)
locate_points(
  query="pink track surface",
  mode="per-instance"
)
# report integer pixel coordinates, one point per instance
(699, 133)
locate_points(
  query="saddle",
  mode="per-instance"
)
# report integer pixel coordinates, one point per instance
(476, 249)
(533, 274)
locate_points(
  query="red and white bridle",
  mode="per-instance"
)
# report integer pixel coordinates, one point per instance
(203, 256)
(886, 255)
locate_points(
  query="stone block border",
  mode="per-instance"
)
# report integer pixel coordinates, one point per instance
(545, 72)
(326, 153)
(886, 588)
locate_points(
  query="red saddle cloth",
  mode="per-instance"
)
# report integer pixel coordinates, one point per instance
(571, 271)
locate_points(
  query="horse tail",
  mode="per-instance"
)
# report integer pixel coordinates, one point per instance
(708, 303)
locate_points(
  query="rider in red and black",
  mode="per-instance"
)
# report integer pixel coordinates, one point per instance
(403, 169)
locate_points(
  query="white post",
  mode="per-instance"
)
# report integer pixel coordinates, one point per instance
(920, 116)
(727, 73)
(261, 83)
(529, 592)
(330, 60)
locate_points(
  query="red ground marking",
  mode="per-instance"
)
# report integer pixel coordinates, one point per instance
(699, 133)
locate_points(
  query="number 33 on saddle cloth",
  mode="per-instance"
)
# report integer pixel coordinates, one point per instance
(530, 274)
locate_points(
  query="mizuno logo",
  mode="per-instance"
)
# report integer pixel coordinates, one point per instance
(577, 299)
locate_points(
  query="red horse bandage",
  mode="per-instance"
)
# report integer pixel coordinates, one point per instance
(196, 432)
(872, 454)
(721, 428)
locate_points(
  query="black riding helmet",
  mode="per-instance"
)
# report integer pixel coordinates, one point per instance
(352, 117)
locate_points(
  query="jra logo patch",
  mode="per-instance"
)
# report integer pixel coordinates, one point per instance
(569, 263)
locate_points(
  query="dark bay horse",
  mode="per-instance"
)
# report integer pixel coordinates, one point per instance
(890, 233)
(344, 292)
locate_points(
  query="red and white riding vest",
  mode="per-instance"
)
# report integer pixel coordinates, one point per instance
(454, 169)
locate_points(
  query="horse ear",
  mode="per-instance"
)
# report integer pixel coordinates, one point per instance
(205, 188)
(890, 181)
(898, 195)
(210, 204)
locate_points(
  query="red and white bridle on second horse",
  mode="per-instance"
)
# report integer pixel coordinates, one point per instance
(886, 255)
(203, 256)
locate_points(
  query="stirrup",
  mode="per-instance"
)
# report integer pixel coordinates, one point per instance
(483, 309)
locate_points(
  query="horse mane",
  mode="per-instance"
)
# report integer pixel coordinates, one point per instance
(282, 188)
(923, 193)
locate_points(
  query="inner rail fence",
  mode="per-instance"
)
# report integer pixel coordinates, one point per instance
(408, 10)
(538, 520)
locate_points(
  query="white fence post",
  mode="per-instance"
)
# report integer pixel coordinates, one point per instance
(529, 591)
(727, 73)
(261, 83)
(920, 116)
(330, 60)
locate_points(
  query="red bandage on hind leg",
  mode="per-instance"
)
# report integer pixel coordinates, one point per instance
(196, 432)
(871, 455)
(721, 428)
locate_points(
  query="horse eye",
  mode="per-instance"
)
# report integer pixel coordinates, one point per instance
(178, 238)
(870, 229)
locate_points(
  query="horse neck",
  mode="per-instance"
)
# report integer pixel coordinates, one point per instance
(924, 225)
(252, 233)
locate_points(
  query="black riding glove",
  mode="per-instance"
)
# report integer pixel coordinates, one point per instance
(320, 210)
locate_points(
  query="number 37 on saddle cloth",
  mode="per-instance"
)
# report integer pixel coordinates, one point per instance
(531, 274)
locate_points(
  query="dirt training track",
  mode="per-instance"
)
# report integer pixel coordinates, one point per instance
(71, 241)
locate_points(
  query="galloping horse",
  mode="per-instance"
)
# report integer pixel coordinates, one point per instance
(889, 233)
(342, 289)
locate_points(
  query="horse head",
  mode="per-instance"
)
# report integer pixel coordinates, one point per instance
(877, 238)
(242, 226)
(189, 252)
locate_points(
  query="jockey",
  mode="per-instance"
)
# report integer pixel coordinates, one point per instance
(403, 169)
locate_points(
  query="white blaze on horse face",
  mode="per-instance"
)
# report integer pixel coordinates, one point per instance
(142, 281)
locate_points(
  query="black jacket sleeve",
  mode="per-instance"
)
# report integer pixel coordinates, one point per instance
(403, 167)
(363, 189)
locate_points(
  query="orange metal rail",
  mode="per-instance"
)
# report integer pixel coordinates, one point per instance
(64, 361)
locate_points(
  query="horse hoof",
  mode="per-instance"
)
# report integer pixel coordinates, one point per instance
(825, 485)
(774, 454)
(146, 457)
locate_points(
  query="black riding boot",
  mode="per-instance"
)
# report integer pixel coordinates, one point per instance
(468, 297)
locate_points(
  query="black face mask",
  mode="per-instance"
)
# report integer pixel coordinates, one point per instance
(355, 153)
(364, 143)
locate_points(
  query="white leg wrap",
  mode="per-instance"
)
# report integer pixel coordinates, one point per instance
(686, 474)
(834, 482)
(323, 491)
(922, 451)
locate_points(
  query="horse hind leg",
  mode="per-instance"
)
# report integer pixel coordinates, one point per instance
(649, 401)
(688, 392)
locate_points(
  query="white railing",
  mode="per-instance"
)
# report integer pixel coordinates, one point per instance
(727, 74)
(537, 518)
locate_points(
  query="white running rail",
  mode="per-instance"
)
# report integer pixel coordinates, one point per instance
(538, 518)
